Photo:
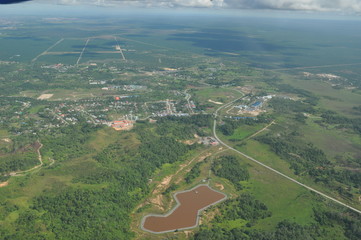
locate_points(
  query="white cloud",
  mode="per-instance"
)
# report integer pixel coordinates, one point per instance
(313, 5)
(199, 3)
(308, 5)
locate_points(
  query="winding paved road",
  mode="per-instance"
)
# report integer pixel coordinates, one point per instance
(268, 167)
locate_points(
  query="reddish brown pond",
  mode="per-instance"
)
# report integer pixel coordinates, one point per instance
(185, 214)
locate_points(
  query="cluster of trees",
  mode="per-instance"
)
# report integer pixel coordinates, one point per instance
(160, 150)
(303, 157)
(182, 131)
(285, 230)
(228, 167)
(68, 142)
(184, 127)
(19, 155)
(307, 95)
(306, 158)
(18, 161)
(87, 214)
(244, 207)
(193, 173)
(331, 117)
(348, 220)
(282, 105)
(170, 189)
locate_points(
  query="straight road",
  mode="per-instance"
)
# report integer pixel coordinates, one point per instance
(47, 50)
(268, 167)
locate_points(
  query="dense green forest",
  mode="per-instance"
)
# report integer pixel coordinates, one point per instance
(92, 212)
(228, 167)
(185, 127)
(67, 142)
(244, 206)
(18, 161)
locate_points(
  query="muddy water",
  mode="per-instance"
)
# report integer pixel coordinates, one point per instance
(185, 214)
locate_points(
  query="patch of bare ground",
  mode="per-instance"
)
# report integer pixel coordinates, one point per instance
(189, 142)
(158, 201)
(294, 155)
(219, 186)
(4, 184)
(45, 96)
(188, 234)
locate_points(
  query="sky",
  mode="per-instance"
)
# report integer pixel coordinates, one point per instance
(332, 9)
(347, 6)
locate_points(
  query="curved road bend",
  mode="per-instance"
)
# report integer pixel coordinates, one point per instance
(268, 167)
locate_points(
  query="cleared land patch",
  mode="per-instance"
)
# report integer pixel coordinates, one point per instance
(45, 96)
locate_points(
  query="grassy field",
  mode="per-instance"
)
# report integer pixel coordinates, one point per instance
(219, 96)
(64, 94)
(245, 131)
(3, 132)
(333, 141)
(339, 100)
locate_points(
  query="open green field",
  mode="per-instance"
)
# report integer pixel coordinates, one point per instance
(334, 142)
(3, 132)
(245, 132)
(339, 100)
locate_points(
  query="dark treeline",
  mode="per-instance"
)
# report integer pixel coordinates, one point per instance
(309, 97)
(193, 173)
(282, 105)
(301, 156)
(170, 189)
(244, 207)
(331, 117)
(285, 230)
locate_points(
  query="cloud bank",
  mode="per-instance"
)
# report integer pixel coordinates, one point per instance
(302, 5)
